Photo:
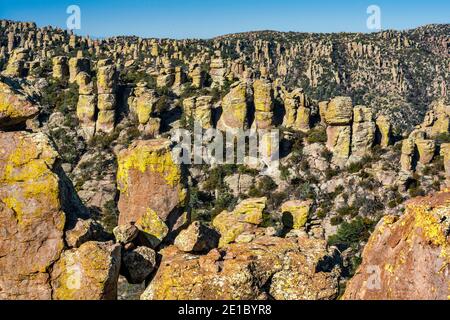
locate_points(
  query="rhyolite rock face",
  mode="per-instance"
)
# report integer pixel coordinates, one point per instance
(152, 193)
(31, 217)
(15, 106)
(407, 257)
(89, 272)
(267, 266)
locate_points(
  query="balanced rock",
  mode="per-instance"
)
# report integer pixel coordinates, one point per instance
(245, 217)
(197, 238)
(296, 213)
(125, 233)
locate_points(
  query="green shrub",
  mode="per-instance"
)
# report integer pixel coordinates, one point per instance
(350, 234)
(318, 134)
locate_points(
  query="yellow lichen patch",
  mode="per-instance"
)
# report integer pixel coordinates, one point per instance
(15, 206)
(432, 229)
(251, 209)
(155, 157)
(152, 225)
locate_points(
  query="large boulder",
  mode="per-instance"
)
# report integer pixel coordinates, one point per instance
(138, 264)
(89, 272)
(267, 266)
(31, 215)
(152, 193)
(407, 257)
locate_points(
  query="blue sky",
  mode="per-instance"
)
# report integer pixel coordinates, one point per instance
(209, 18)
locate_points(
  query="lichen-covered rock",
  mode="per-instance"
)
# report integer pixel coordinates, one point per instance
(197, 238)
(16, 63)
(60, 67)
(296, 213)
(339, 142)
(86, 114)
(339, 111)
(234, 108)
(143, 103)
(426, 149)
(363, 131)
(152, 194)
(245, 271)
(199, 109)
(407, 257)
(245, 217)
(15, 106)
(138, 264)
(106, 79)
(31, 216)
(77, 65)
(89, 272)
(384, 126)
(408, 149)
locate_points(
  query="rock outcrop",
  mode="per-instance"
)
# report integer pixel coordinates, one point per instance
(284, 269)
(407, 257)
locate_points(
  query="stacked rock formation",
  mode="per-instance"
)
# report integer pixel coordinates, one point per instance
(421, 146)
(297, 110)
(363, 131)
(263, 101)
(338, 117)
(106, 88)
(16, 63)
(76, 65)
(86, 105)
(166, 77)
(142, 104)
(217, 70)
(60, 67)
